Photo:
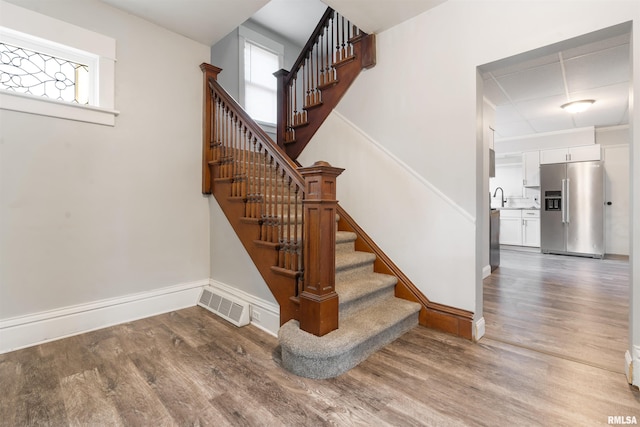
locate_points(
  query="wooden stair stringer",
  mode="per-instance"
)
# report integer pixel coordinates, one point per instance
(433, 315)
(264, 257)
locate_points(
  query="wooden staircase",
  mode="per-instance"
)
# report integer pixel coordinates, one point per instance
(340, 296)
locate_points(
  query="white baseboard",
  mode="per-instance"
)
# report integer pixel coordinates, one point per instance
(265, 315)
(38, 328)
(478, 329)
(486, 271)
(632, 365)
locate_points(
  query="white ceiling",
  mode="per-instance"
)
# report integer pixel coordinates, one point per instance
(301, 17)
(208, 21)
(205, 21)
(374, 16)
(528, 90)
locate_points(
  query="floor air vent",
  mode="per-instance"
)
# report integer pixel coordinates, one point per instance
(225, 306)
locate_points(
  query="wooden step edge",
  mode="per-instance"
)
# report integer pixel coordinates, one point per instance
(249, 220)
(295, 300)
(344, 61)
(311, 107)
(268, 245)
(237, 199)
(328, 85)
(292, 274)
(300, 125)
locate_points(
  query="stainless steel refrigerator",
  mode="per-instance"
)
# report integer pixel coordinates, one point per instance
(572, 213)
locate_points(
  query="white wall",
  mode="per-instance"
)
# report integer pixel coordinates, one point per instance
(420, 104)
(401, 212)
(92, 213)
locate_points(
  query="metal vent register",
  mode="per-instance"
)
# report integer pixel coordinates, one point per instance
(225, 306)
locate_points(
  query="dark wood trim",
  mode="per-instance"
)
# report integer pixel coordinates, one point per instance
(318, 299)
(208, 72)
(433, 315)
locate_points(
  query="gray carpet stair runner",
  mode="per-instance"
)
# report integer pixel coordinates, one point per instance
(370, 318)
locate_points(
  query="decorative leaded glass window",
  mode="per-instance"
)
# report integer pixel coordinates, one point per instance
(53, 68)
(35, 73)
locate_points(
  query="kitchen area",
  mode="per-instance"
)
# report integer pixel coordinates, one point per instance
(560, 198)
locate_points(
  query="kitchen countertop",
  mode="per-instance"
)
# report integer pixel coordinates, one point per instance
(515, 208)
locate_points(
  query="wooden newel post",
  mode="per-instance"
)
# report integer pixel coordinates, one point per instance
(282, 102)
(208, 126)
(318, 299)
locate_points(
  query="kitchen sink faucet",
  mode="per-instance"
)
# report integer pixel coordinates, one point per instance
(502, 199)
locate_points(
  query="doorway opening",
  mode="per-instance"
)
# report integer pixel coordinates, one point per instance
(576, 308)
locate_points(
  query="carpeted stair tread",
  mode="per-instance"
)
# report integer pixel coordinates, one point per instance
(364, 290)
(345, 236)
(357, 338)
(354, 259)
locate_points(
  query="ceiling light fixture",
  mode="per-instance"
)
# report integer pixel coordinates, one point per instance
(577, 106)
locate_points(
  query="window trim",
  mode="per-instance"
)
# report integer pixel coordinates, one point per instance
(247, 34)
(58, 38)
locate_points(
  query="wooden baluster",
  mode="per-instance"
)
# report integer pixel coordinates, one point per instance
(318, 300)
(349, 44)
(308, 82)
(270, 191)
(227, 141)
(223, 154)
(249, 183)
(343, 51)
(317, 93)
(234, 155)
(260, 192)
(296, 238)
(245, 164)
(218, 120)
(321, 81)
(252, 176)
(265, 196)
(273, 177)
(328, 71)
(287, 254)
(281, 210)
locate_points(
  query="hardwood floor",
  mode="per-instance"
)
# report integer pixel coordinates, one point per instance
(572, 307)
(192, 368)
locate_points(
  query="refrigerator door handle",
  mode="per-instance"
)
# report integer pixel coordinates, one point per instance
(563, 205)
(567, 197)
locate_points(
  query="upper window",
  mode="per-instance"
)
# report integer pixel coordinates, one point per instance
(261, 57)
(53, 68)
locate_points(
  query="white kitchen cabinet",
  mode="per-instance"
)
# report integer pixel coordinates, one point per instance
(511, 227)
(585, 153)
(581, 153)
(531, 169)
(531, 227)
(520, 227)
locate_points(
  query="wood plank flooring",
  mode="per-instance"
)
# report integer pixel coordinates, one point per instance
(191, 368)
(573, 307)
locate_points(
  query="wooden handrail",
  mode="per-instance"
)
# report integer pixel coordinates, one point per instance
(308, 47)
